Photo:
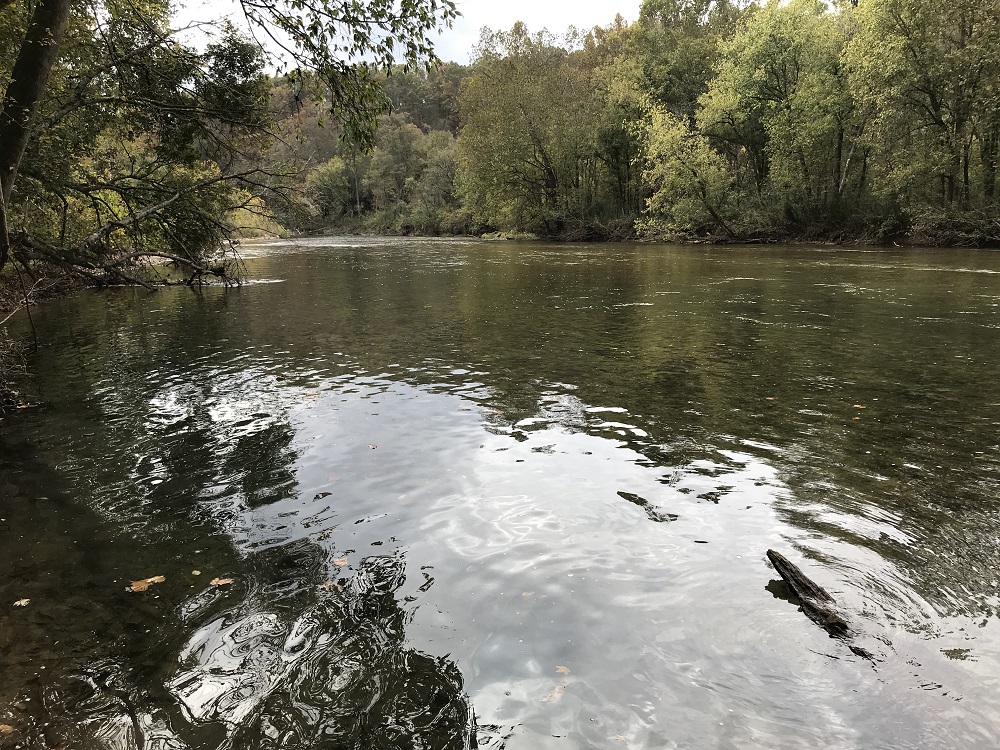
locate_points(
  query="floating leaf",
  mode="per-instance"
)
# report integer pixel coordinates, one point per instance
(859, 406)
(6, 729)
(328, 586)
(341, 561)
(145, 583)
(196, 572)
(769, 398)
(22, 602)
(563, 670)
(557, 693)
(221, 581)
(617, 738)
(527, 593)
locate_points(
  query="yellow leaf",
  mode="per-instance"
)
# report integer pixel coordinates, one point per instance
(769, 398)
(6, 729)
(859, 406)
(341, 561)
(563, 670)
(196, 572)
(557, 693)
(145, 583)
(22, 602)
(221, 581)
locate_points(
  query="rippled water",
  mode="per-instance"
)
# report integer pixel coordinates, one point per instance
(513, 495)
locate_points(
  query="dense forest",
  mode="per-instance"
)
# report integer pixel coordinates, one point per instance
(703, 119)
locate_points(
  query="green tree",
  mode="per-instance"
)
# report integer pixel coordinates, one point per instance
(927, 74)
(528, 154)
(396, 164)
(143, 141)
(690, 181)
(781, 110)
(675, 45)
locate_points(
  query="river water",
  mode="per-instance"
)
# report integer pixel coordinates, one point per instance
(512, 495)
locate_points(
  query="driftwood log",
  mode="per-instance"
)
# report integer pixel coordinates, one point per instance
(818, 605)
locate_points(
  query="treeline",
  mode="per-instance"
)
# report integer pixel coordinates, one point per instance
(703, 119)
(405, 184)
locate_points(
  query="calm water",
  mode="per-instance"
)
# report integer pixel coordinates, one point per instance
(516, 495)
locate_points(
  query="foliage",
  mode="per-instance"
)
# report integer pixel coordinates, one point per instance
(128, 144)
(690, 182)
(927, 76)
(537, 152)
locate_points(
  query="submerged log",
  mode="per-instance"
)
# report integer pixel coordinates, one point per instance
(817, 604)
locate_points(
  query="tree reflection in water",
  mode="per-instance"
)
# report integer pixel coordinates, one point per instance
(290, 665)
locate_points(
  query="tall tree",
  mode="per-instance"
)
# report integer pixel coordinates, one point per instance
(781, 109)
(529, 151)
(927, 73)
(192, 107)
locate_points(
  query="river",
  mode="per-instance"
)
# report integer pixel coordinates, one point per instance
(439, 493)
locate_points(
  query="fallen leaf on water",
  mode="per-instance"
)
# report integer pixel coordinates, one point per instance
(22, 602)
(557, 693)
(527, 593)
(221, 581)
(196, 572)
(617, 738)
(328, 586)
(769, 398)
(856, 418)
(145, 583)
(6, 729)
(859, 406)
(563, 670)
(341, 561)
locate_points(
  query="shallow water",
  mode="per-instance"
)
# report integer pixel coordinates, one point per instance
(513, 495)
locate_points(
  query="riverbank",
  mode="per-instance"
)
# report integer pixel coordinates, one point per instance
(928, 232)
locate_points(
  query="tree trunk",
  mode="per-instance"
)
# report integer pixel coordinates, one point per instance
(4, 234)
(988, 151)
(29, 77)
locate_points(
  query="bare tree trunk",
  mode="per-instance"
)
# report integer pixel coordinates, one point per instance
(28, 80)
(4, 234)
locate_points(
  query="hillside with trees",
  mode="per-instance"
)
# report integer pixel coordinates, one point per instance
(873, 122)
(703, 119)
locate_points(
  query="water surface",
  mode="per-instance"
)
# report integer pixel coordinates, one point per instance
(510, 494)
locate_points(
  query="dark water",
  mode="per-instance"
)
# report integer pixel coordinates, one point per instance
(516, 495)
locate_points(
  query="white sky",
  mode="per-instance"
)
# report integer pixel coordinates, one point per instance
(455, 44)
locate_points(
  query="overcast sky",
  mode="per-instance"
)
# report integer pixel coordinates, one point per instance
(456, 43)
